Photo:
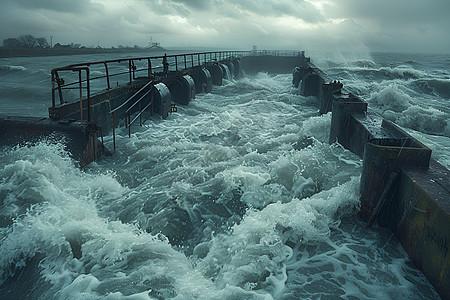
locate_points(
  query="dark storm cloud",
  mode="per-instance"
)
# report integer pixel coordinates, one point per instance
(71, 6)
(381, 25)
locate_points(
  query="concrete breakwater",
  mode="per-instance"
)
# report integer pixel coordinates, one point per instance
(402, 187)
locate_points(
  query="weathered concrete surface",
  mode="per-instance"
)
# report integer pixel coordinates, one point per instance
(401, 187)
(80, 137)
(422, 222)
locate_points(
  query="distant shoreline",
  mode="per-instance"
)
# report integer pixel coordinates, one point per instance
(23, 52)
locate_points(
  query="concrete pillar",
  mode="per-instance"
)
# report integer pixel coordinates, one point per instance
(326, 95)
(311, 84)
(381, 158)
(343, 106)
(297, 75)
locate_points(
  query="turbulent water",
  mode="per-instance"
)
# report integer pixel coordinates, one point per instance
(236, 196)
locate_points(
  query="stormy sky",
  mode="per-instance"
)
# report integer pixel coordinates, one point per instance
(376, 25)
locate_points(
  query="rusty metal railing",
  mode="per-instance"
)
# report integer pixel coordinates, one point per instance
(150, 65)
(58, 84)
(129, 107)
(107, 70)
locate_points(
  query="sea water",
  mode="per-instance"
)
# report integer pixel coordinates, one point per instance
(236, 196)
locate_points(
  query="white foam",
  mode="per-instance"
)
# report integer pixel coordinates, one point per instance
(237, 183)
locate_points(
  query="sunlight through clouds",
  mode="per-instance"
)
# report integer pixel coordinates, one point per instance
(377, 25)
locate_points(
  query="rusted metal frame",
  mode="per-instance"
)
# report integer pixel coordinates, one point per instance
(129, 69)
(134, 68)
(124, 104)
(141, 58)
(60, 86)
(149, 66)
(138, 101)
(88, 86)
(107, 76)
(81, 95)
(145, 108)
(140, 109)
(131, 98)
(53, 89)
(55, 77)
(128, 112)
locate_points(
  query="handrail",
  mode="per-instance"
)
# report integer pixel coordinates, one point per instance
(165, 64)
(57, 80)
(172, 62)
(128, 112)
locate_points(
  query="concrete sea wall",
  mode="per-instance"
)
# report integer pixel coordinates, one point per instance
(402, 188)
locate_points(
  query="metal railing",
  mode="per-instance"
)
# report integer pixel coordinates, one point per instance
(107, 70)
(130, 106)
(99, 76)
(150, 65)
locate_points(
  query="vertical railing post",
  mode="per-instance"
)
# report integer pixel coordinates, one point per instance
(107, 76)
(192, 60)
(185, 62)
(88, 94)
(81, 95)
(53, 90)
(129, 70)
(129, 124)
(176, 63)
(198, 59)
(58, 81)
(149, 63)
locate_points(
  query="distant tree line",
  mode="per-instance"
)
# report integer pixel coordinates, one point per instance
(29, 41)
(26, 41)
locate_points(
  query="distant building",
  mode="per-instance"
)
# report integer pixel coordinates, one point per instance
(59, 46)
